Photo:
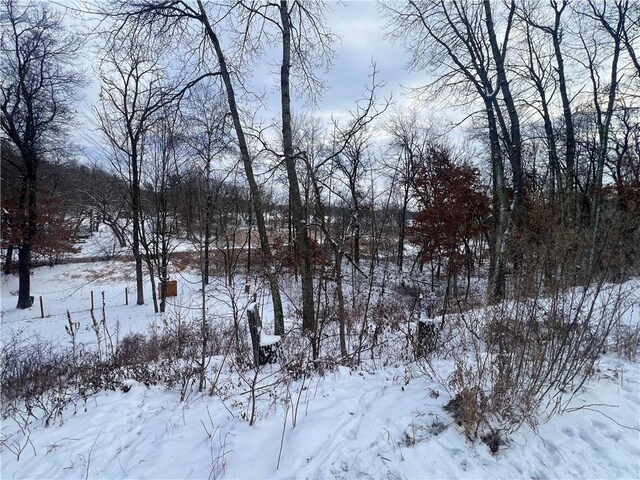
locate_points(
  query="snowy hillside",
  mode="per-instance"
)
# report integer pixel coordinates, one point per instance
(371, 421)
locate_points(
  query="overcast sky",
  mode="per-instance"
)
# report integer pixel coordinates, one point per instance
(359, 26)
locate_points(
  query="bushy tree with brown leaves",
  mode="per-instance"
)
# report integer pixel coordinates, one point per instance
(452, 209)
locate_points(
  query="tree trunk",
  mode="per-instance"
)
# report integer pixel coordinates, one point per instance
(356, 238)
(603, 134)
(135, 212)
(24, 250)
(116, 230)
(256, 197)
(24, 276)
(205, 267)
(342, 317)
(255, 329)
(8, 260)
(515, 144)
(152, 280)
(203, 332)
(556, 189)
(207, 225)
(497, 269)
(402, 227)
(570, 152)
(295, 200)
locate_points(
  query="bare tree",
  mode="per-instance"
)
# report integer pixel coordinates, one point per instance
(631, 34)
(538, 73)
(353, 165)
(408, 143)
(514, 139)
(108, 197)
(132, 92)
(164, 154)
(180, 20)
(611, 18)
(319, 158)
(305, 42)
(555, 28)
(135, 88)
(39, 84)
(207, 122)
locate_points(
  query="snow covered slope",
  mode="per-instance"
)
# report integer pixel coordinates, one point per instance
(349, 425)
(384, 423)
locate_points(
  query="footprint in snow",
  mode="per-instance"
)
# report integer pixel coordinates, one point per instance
(585, 437)
(568, 431)
(615, 436)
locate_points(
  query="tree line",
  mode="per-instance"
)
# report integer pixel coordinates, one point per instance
(548, 166)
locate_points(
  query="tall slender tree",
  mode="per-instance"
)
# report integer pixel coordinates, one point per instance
(305, 44)
(451, 37)
(132, 91)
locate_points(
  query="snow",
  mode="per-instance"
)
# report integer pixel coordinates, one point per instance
(101, 243)
(69, 286)
(267, 340)
(349, 423)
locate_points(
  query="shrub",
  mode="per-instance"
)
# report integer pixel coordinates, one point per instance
(527, 357)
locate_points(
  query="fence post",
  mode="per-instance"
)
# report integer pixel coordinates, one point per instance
(41, 308)
(92, 300)
(126, 296)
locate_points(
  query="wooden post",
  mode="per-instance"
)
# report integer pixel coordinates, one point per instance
(41, 308)
(92, 300)
(126, 296)
(254, 330)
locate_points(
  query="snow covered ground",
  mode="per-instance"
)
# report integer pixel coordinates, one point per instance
(104, 244)
(101, 243)
(69, 287)
(385, 423)
(349, 425)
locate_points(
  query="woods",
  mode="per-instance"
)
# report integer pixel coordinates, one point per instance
(477, 216)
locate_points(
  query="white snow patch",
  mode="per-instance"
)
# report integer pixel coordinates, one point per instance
(267, 340)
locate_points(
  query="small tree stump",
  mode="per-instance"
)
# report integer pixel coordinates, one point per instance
(268, 352)
(263, 346)
(427, 339)
(255, 328)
